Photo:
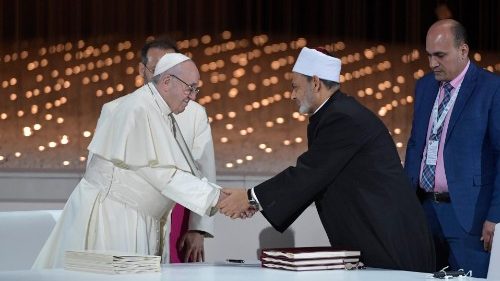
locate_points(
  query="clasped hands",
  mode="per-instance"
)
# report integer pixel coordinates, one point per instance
(233, 202)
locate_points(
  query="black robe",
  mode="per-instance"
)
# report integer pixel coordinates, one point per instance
(354, 175)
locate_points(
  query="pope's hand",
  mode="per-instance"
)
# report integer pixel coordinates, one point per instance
(235, 205)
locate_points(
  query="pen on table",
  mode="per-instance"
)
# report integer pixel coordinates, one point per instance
(235, 261)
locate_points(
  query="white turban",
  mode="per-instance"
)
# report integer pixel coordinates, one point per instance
(311, 62)
(168, 61)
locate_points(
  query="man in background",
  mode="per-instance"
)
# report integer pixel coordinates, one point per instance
(453, 154)
(188, 229)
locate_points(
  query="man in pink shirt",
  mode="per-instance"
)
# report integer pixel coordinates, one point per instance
(452, 156)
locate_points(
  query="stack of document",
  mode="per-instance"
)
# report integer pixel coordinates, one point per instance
(310, 258)
(110, 262)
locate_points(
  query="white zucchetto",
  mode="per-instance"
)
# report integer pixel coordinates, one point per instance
(168, 61)
(312, 62)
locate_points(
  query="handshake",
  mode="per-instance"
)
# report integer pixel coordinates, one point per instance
(233, 202)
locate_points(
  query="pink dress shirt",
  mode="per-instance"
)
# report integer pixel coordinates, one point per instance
(441, 184)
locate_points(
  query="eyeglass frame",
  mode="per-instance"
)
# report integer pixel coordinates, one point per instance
(145, 66)
(192, 89)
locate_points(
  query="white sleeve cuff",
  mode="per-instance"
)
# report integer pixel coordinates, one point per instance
(254, 196)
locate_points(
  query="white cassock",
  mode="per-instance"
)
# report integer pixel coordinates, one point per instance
(135, 174)
(198, 138)
(195, 128)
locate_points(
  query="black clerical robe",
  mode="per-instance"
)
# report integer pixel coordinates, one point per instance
(353, 173)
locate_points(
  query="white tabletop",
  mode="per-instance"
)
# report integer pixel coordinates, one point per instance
(222, 272)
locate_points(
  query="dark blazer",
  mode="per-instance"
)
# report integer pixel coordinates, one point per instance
(354, 175)
(472, 145)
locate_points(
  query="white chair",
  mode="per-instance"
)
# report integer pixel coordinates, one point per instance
(22, 235)
(494, 269)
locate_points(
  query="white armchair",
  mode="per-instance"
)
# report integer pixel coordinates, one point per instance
(22, 235)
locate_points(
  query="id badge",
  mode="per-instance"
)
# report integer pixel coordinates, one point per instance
(432, 152)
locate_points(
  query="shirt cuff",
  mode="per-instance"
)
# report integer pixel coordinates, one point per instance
(254, 197)
(216, 199)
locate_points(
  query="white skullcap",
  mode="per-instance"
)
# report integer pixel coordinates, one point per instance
(311, 62)
(168, 61)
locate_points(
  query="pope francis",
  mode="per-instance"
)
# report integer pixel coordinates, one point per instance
(138, 168)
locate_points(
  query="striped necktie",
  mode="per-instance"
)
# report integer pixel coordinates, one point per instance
(429, 171)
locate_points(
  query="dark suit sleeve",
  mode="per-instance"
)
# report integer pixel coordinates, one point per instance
(494, 135)
(413, 155)
(285, 196)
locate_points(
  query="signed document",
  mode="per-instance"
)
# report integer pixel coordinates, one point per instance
(110, 262)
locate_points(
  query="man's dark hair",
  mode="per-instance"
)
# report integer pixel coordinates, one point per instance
(163, 43)
(459, 33)
(329, 84)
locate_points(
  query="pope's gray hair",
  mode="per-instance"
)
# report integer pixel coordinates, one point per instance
(157, 78)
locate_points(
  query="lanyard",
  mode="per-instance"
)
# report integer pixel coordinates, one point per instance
(439, 120)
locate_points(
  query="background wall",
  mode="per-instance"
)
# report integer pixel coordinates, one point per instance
(391, 21)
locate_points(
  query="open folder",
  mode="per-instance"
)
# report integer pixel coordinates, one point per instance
(110, 262)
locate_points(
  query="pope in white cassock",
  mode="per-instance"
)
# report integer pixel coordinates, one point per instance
(137, 170)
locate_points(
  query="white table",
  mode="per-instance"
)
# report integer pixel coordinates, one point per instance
(220, 272)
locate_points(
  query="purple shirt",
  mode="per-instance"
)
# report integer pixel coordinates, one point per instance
(441, 184)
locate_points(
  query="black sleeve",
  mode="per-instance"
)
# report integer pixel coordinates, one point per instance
(284, 197)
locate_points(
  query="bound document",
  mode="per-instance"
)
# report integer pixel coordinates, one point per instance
(110, 262)
(310, 258)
